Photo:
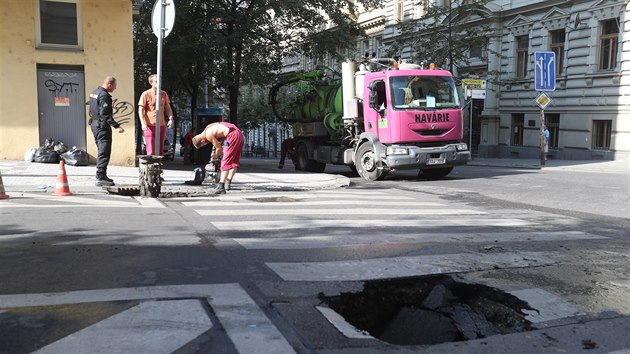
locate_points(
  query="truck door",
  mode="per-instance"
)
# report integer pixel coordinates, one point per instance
(376, 118)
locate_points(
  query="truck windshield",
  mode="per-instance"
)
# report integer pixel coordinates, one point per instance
(422, 92)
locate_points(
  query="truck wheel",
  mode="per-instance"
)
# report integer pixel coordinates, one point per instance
(303, 163)
(367, 165)
(434, 173)
(301, 158)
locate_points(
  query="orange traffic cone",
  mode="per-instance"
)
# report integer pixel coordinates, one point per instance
(62, 188)
(3, 195)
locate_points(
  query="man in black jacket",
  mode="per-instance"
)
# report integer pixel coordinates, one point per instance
(101, 121)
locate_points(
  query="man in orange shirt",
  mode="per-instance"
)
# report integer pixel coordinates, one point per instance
(148, 112)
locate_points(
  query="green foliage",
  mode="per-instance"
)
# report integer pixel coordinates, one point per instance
(230, 42)
(446, 34)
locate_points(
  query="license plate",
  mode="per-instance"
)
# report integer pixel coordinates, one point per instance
(438, 161)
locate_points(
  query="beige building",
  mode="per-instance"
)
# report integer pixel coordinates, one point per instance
(53, 54)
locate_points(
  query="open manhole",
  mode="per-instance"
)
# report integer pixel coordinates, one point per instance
(430, 310)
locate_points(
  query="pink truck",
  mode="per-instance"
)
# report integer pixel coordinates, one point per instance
(380, 116)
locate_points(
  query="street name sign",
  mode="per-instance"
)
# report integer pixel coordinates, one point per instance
(545, 71)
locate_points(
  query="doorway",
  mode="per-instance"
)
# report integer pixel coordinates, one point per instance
(61, 105)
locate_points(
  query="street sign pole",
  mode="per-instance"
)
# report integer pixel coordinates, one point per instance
(158, 102)
(162, 20)
(542, 137)
(544, 80)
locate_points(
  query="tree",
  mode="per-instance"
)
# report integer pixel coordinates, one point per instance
(229, 42)
(445, 35)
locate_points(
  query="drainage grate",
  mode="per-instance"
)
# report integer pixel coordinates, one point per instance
(430, 310)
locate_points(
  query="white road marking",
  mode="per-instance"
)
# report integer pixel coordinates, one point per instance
(85, 201)
(306, 202)
(362, 224)
(398, 267)
(244, 322)
(155, 327)
(548, 306)
(339, 240)
(333, 211)
(342, 325)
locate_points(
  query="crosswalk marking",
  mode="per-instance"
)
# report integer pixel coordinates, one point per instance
(155, 327)
(363, 223)
(305, 203)
(349, 211)
(246, 325)
(84, 201)
(244, 322)
(548, 306)
(318, 240)
(384, 268)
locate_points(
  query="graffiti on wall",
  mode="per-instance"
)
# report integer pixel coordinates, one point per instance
(56, 87)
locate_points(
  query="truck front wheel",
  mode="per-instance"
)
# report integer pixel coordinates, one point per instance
(367, 164)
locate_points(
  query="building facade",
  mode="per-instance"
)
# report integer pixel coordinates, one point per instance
(53, 54)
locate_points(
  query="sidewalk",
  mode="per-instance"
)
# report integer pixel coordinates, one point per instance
(255, 174)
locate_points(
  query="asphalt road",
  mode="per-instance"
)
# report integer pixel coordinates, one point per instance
(255, 272)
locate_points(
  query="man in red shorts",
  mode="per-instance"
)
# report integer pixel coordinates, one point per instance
(217, 134)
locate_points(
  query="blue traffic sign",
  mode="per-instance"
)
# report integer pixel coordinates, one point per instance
(545, 71)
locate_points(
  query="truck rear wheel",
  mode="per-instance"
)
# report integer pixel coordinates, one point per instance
(367, 164)
(303, 163)
(434, 173)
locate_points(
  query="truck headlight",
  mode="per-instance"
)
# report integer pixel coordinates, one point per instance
(397, 151)
(462, 147)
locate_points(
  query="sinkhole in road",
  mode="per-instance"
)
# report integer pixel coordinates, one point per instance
(430, 310)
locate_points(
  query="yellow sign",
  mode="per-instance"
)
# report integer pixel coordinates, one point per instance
(543, 100)
(474, 83)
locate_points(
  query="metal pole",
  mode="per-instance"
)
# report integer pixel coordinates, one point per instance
(470, 126)
(542, 137)
(158, 102)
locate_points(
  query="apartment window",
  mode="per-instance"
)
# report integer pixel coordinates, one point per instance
(475, 51)
(609, 42)
(601, 134)
(518, 120)
(522, 46)
(422, 7)
(557, 46)
(552, 121)
(58, 23)
(379, 47)
(399, 13)
(366, 48)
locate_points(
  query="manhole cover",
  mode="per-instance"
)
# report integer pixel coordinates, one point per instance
(430, 310)
(273, 199)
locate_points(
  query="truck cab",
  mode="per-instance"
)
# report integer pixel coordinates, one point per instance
(412, 119)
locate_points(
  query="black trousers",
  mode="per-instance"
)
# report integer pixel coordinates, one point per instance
(103, 137)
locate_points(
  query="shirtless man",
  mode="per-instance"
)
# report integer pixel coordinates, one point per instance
(217, 134)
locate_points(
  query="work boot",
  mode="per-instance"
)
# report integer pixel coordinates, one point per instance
(104, 183)
(220, 189)
(228, 184)
(107, 179)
